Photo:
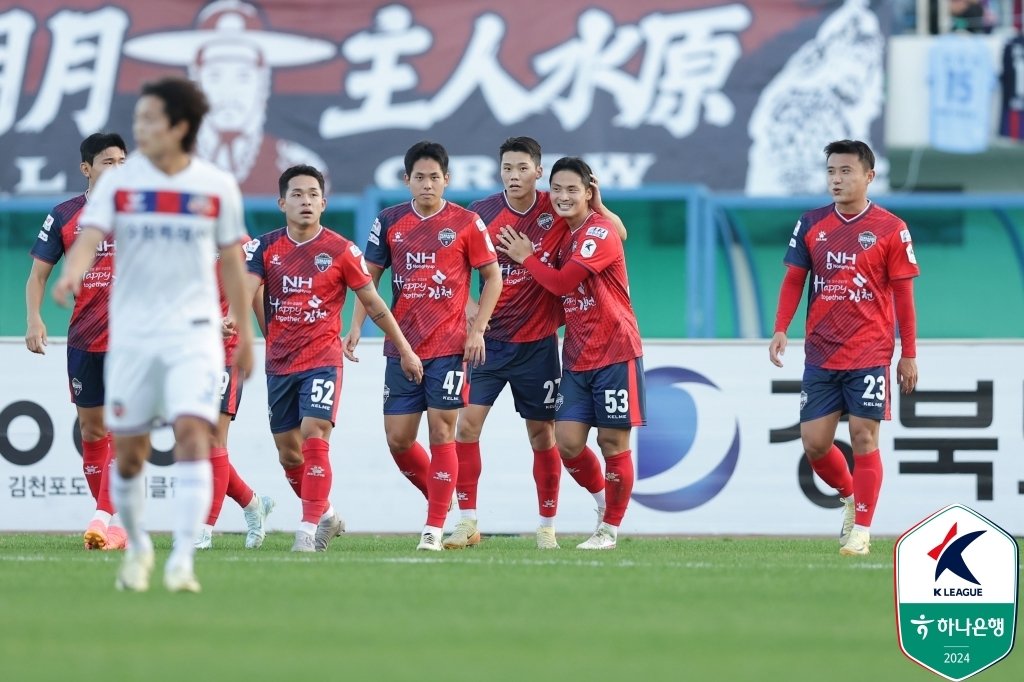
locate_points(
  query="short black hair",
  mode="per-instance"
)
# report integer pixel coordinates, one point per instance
(296, 171)
(860, 149)
(426, 150)
(526, 145)
(576, 165)
(183, 101)
(97, 142)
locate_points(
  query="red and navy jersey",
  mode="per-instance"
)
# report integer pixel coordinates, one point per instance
(90, 318)
(230, 342)
(852, 262)
(600, 325)
(525, 311)
(431, 261)
(304, 287)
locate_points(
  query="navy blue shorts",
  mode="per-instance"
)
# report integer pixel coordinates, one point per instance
(85, 377)
(532, 369)
(611, 396)
(293, 397)
(445, 386)
(860, 392)
(230, 391)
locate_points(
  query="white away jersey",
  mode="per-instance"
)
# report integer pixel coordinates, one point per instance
(167, 230)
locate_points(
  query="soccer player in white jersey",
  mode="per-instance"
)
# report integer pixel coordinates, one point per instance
(170, 212)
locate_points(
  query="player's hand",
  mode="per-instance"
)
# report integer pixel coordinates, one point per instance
(906, 374)
(66, 289)
(412, 367)
(228, 328)
(777, 348)
(351, 340)
(515, 245)
(595, 200)
(476, 352)
(35, 337)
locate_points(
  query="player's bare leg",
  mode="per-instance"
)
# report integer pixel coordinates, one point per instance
(467, 449)
(867, 481)
(547, 470)
(580, 461)
(829, 463)
(128, 490)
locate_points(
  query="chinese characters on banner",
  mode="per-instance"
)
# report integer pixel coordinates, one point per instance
(752, 90)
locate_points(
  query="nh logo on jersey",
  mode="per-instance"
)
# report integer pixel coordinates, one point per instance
(446, 236)
(322, 262)
(956, 577)
(419, 260)
(545, 221)
(866, 240)
(290, 284)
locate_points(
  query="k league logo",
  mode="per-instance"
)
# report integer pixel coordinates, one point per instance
(956, 592)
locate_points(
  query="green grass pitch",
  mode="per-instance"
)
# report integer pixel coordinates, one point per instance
(374, 609)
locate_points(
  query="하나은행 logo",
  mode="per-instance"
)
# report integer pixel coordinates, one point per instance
(956, 575)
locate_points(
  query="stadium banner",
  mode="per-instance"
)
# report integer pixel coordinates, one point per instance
(642, 90)
(721, 453)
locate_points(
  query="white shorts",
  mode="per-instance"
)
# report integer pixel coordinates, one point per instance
(153, 385)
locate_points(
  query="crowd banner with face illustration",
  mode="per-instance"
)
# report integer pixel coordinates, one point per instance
(639, 89)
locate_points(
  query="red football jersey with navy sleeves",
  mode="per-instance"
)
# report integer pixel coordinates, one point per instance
(90, 319)
(852, 264)
(525, 311)
(600, 325)
(431, 261)
(304, 287)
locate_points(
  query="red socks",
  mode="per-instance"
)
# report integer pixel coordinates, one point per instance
(618, 486)
(547, 471)
(586, 470)
(294, 478)
(867, 481)
(316, 480)
(221, 468)
(833, 469)
(103, 502)
(469, 473)
(414, 464)
(238, 490)
(95, 456)
(443, 472)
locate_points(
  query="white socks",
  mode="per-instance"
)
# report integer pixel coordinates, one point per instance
(193, 495)
(129, 498)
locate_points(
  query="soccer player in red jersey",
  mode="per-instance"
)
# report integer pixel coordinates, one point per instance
(87, 333)
(226, 481)
(431, 246)
(522, 348)
(306, 270)
(862, 262)
(602, 357)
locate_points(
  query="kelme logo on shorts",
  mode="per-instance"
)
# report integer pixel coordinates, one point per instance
(956, 592)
